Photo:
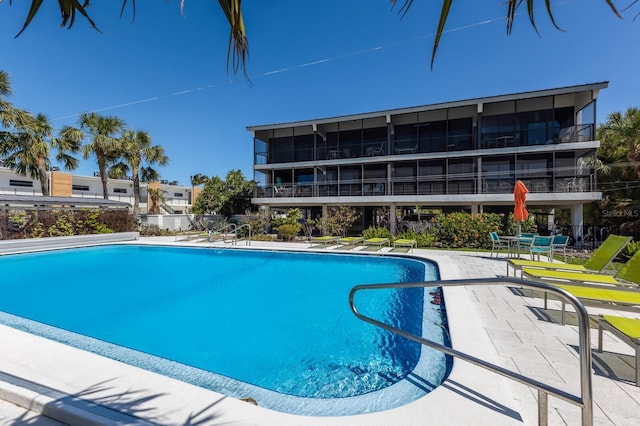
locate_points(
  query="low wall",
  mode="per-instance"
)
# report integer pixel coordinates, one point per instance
(32, 244)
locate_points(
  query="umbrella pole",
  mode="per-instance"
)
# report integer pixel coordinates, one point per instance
(518, 233)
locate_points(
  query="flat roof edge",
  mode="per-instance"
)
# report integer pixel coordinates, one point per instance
(441, 105)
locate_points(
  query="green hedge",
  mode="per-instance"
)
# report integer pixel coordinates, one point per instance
(464, 230)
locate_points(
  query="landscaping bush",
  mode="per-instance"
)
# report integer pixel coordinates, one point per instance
(18, 224)
(631, 249)
(426, 238)
(376, 232)
(458, 230)
(287, 231)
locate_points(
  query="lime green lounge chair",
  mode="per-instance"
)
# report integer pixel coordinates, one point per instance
(627, 330)
(377, 242)
(326, 240)
(628, 275)
(350, 241)
(599, 261)
(404, 242)
(601, 297)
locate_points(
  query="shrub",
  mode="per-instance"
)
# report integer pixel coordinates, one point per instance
(288, 232)
(376, 232)
(43, 223)
(457, 230)
(339, 219)
(425, 238)
(631, 248)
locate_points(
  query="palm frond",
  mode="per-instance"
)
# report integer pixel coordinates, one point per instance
(68, 9)
(444, 14)
(238, 50)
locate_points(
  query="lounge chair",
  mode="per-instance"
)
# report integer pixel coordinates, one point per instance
(350, 241)
(599, 262)
(377, 242)
(627, 330)
(601, 297)
(404, 242)
(628, 275)
(325, 240)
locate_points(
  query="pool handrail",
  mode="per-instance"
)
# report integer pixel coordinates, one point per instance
(584, 400)
(221, 231)
(244, 225)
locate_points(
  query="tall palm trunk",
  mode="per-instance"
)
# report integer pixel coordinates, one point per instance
(136, 188)
(43, 177)
(102, 168)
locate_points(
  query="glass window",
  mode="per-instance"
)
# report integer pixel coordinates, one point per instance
(405, 138)
(460, 135)
(432, 137)
(303, 147)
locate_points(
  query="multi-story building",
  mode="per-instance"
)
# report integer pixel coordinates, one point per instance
(177, 199)
(456, 155)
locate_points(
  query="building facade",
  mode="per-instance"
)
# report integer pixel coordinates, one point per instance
(462, 155)
(177, 199)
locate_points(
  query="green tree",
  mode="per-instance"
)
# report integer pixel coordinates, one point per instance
(134, 148)
(198, 179)
(10, 116)
(289, 226)
(238, 46)
(157, 198)
(28, 150)
(103, 132)
(339, 220)
(619, 152)
(225, 197)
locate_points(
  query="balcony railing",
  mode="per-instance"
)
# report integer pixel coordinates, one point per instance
(428, 185)
(424, 145)
(533, 137)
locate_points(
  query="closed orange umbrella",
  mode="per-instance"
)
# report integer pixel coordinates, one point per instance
(520, 213)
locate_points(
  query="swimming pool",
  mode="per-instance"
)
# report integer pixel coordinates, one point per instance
(268, 325)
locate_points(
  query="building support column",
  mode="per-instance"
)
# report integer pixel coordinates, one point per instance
(475, 209)
(577, 222)
(392, 219)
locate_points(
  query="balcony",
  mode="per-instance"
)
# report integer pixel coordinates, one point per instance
(537, 136)
(428, 185)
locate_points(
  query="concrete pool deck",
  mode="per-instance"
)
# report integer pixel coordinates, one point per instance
(497, 324)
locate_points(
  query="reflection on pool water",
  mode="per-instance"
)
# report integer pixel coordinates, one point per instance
(275, 326)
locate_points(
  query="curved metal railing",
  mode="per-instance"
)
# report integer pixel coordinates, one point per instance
(231, 227)
(246, 225)
(584, 400)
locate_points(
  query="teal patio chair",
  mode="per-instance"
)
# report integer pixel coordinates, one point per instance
(497, 244)
(541, 245)
(559, 245)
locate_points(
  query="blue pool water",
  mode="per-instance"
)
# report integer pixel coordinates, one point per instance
(275, 326)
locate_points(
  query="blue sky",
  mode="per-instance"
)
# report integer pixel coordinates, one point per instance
(166, 73)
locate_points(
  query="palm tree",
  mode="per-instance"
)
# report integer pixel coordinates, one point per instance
(103, 131)
(157, 197)
(198, 179)
(10, 116)
(238, 45)
(134, 147)
(28, 151)
(620, 138)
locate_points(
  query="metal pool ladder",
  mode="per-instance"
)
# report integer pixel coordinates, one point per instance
(584, 400)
